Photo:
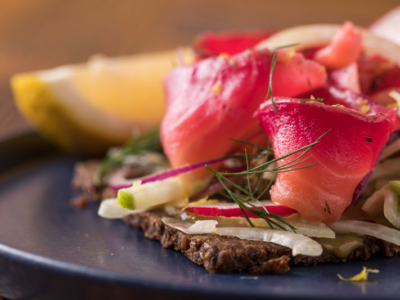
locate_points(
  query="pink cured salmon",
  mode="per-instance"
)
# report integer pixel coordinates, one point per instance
(346, 78)
(344, 155)
(345, 48)
(213, 44)
(216, 98)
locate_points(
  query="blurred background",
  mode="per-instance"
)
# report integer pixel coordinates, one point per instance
(41, 34)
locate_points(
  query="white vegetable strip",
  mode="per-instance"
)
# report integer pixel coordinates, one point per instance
(110, 209)
(299, 243)
(199, 227)
(309, 36)
(150, 194)
(312, 229)
(372, 229)
(374, 204)
(391, 208)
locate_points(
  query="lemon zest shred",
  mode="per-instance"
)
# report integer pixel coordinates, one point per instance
(363, 275)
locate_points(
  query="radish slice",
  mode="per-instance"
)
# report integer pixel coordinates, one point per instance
(391, 208)
(232, 210)
(310, 36)
(299, 243)
(366, 228)
(374, 204)
(143, 196)
(199, 227)
(110, 209)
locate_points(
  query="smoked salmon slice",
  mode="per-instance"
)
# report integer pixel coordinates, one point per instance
(344, 155)
(216, 98)
(344, 49)
(213, 44)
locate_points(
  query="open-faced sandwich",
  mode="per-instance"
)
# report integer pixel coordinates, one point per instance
(276, 149)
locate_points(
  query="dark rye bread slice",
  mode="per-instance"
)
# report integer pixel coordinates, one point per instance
(222, 254)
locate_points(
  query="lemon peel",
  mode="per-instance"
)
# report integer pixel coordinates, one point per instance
(363, 275)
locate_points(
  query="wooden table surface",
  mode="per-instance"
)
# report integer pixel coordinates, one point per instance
(39, 34)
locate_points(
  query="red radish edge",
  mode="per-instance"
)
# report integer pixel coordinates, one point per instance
(232, 210)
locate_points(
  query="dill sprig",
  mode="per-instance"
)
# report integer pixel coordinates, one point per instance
(274, 59)
(328, 209)
(244, 200)
(149, 140)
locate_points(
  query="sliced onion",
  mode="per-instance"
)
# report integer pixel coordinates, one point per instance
(316, 35)
(374, 204)
(365, 228)
(199, 227)
(118, 181)
(312, 229)
(388, 25)
(299, 243)
(391, 208)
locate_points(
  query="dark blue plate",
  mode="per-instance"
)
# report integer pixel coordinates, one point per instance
(51, 250)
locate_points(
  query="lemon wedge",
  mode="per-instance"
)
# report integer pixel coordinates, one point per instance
(104, 102)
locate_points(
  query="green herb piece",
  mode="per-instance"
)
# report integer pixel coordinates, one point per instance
(327, 207)
(149, 140)
(274, 59)
(321, 108)
(244, 200)
(126, 200)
